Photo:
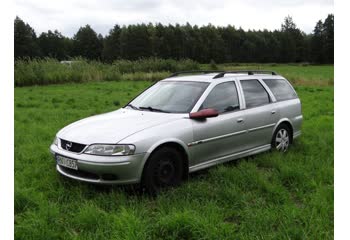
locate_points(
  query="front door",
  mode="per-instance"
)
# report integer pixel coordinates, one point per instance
(221, 135)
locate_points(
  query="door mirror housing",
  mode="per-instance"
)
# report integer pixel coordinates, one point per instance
(204, 113)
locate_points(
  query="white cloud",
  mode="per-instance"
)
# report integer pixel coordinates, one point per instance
(68, 15)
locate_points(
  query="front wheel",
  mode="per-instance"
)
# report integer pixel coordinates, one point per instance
(282, 138)
(163, 169)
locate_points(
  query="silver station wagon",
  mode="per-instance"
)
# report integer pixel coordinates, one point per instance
(184, 123)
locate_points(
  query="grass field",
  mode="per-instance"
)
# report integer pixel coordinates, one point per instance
(268, 196)
(310, 75)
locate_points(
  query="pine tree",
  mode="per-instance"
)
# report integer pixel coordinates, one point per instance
(55, 45)
(328, 28)
(318, 53)
(87, 44)
(25, 40)
(111, 45)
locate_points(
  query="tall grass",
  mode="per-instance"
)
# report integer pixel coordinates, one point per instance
(50, 71)
(155, 65)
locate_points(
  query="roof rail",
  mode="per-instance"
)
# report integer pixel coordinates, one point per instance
(249, 72)
(194, 71)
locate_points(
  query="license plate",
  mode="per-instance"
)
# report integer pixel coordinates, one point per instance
(66, 162)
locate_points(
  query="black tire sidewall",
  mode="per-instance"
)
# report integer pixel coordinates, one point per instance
(148, 178)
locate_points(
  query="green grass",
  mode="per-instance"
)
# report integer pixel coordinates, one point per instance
(268, 196)
(311, 75)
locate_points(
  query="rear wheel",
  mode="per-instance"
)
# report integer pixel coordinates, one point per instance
(282, 138)
(163, 169)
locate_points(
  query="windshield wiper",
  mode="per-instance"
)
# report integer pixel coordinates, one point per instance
(133, 107)
(153, 109)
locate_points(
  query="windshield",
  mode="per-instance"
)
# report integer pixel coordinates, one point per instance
(170, 96)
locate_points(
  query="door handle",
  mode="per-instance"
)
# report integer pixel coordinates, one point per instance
(240, 120)
(273, 112)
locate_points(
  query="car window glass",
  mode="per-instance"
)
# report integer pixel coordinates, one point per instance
(223, 98)
(171, 96)
(254, 93)
(280, 89)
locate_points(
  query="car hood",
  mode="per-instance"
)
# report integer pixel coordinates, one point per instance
(114, 126)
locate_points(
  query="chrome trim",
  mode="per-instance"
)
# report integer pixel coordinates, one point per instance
(105, 163)
(300, 117)
(296, 134)
(78, 153)
(262, 127)
(216, 138)
(229, 135)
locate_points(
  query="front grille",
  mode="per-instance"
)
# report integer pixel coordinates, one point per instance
(72, 146)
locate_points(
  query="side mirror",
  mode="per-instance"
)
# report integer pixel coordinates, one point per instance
(204, 113)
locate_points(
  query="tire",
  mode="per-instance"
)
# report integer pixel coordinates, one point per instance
(163, 169)
(282, 138)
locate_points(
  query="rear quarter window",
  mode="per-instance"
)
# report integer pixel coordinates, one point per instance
(281, 89)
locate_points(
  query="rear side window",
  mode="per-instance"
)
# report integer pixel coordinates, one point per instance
(223, 98)
(280, 89)
(254, 93)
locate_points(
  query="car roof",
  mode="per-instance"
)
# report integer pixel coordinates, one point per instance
(209, 77)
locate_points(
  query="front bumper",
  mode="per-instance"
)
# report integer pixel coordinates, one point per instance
(102, 169)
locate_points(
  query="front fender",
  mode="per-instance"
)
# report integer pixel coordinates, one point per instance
(158, 144)
(168, 140)
(146, 141)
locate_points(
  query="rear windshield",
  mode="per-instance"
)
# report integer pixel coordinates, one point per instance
(281, 89)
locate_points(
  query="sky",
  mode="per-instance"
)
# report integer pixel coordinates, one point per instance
(68, 15)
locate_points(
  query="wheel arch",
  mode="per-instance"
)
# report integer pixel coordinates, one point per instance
(283, 121)
(173, 143)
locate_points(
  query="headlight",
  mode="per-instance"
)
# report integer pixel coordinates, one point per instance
(109, 150)
(55, 141)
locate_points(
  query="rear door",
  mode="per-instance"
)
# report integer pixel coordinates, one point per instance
(261, 113)
(218, 136)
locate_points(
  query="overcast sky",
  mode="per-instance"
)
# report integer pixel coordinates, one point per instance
(68, 15)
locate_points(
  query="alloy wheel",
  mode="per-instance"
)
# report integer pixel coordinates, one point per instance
(282, 140)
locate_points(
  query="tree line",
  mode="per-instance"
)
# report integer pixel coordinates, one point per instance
(203, 44)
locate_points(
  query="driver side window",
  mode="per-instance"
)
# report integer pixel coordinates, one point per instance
(223, 98)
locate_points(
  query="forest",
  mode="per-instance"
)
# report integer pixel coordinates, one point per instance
(203, 44)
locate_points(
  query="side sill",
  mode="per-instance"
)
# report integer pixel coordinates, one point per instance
(230, 157)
